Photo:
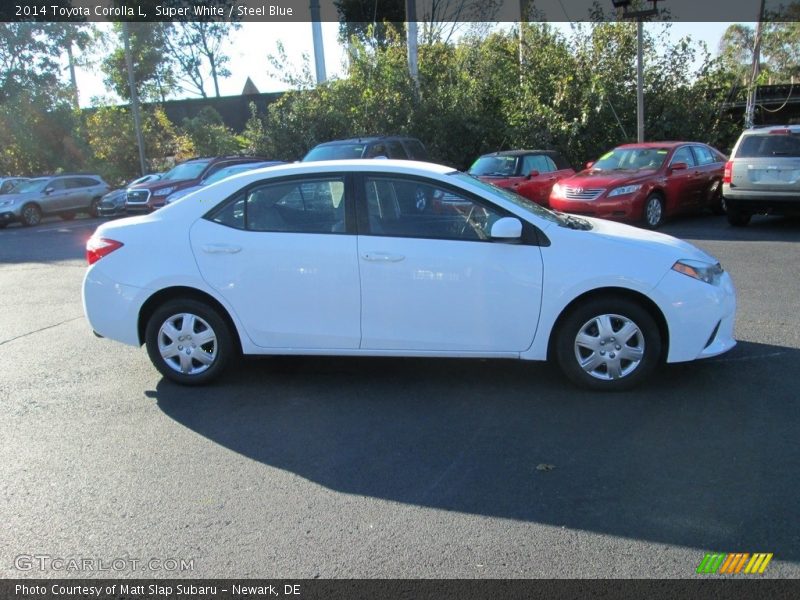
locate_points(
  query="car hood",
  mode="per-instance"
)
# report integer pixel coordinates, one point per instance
(607, 179)
(11, 197)
(645, 241)
(160, 184)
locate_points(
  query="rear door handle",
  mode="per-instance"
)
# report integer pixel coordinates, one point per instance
(382, 257)
(221, 249)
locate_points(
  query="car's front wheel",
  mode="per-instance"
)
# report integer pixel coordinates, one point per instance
(653, 211)
(609, 344)
(188, 341)
(31, 215)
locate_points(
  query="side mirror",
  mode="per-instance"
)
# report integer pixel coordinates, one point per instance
(678, 166)
(589, 164)
(533, 173)
(507, 228)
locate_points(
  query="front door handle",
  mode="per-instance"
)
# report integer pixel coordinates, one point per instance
(382, 257)
(221, 249)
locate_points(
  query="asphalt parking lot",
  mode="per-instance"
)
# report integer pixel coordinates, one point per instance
(330, 467)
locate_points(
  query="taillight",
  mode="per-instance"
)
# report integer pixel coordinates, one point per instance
(97, 248)
(728, 173)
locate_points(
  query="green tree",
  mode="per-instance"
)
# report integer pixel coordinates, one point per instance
(209, 136)
(153, 69)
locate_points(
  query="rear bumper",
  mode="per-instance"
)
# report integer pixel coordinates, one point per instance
(778, 203)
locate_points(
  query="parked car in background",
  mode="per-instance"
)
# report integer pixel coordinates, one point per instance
(645, 183)
(386, 146)
(334, 258)
(7, 184)
(147, 197)
(763, 174)
(530, 173)
(113, 203)
(220, 175)
(62, 195)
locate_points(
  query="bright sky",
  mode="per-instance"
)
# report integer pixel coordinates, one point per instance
(251, 45)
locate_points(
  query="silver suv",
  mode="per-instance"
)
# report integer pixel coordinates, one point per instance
(62, 195)
(763, 174)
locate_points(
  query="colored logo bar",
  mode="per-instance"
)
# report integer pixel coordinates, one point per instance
(734, 563)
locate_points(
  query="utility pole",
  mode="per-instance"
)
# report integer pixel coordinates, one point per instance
(750, 108)
(319, 48)
(137, 123)
(639, 84)
(411, 43)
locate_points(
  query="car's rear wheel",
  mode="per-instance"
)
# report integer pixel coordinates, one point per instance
(31, 215)
(609, 344)
(653, 211)
(737, 217)
(188, 341)
(94, 208)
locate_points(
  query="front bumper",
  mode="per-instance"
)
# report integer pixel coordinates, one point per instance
(8, 216)
(700, 316)
(111, 211)
(615, 209)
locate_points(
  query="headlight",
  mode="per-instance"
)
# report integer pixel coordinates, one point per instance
(557, 190)
(700, 270)
(7, 202)
(625, 189)
(164, 191)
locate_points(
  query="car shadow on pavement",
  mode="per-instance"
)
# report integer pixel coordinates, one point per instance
(761, 229)
(704, 456)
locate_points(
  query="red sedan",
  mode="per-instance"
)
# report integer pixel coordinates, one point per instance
(530, 173)
(645, 183)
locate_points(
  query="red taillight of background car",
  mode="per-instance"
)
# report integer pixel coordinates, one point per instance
(727, 174)
(97, 248)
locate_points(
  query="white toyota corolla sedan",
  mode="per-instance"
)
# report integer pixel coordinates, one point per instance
(399, 258)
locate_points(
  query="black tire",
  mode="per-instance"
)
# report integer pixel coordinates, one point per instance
(736, 217)
(585, 319)
(718, 206)
(94, 208)
(219, 352)
(653, 214)
(67, 216)
(31, 215)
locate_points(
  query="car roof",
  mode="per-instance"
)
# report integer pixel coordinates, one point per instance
(667, 144)
(520, 152)
(367, 139)
(361, 164)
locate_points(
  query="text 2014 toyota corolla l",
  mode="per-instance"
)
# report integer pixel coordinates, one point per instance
(337, 258)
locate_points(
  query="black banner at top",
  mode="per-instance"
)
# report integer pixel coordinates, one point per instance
(278, 11)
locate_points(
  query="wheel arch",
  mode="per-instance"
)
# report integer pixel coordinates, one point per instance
(183, 292)
(612, 292)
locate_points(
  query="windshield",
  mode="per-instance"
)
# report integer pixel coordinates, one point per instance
(187, 170)
(35, 185)
(335, 152)
(494, 166)
(631, 159)
(539, 211)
